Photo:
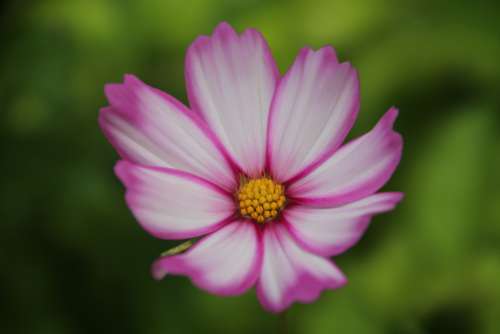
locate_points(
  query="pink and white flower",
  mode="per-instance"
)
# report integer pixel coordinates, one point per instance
(255, 166)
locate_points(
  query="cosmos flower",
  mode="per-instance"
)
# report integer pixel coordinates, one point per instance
(255, 167)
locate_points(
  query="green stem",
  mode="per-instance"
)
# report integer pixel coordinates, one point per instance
(283, 323)
(178, 249)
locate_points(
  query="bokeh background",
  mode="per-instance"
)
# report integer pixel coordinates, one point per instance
(73, 260)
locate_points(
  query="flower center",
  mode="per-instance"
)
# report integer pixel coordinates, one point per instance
(261, 199)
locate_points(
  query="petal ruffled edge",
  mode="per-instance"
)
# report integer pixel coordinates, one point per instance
(226, 262)
(331, 231)
(149, 127)
(215, 65)
(358, 169)
(172, 204)
(290, 273)
(313, 109)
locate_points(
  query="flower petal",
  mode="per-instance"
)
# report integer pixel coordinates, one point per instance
(289, 273)
(231, 81)
(171, 204)
(314, 108)
(226, 262)
(356, 170)
(149, 127)
(329, 232)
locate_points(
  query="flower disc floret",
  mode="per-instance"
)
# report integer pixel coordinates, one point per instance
(261, 199)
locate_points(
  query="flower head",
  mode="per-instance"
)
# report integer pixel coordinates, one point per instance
(255, 166)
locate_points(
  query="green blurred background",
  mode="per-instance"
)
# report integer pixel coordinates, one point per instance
(73, 260)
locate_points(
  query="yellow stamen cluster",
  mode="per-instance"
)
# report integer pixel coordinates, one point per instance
(261, 199)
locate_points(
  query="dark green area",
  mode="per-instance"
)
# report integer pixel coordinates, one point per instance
(74, 261)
